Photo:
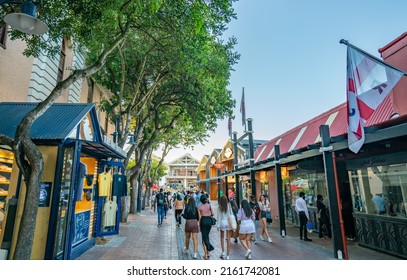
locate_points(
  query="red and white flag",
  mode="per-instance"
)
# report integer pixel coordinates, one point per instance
(369, 80)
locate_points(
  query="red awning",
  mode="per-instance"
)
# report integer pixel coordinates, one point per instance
(295, 188)
(154, 187)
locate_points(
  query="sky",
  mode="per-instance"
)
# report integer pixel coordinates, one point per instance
(292, 66)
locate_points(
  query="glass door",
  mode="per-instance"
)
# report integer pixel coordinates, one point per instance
(62, 246)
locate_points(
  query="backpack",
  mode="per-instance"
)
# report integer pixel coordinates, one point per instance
(160, 199)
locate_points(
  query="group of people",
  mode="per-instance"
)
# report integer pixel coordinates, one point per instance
(304, 216)
(196, 209)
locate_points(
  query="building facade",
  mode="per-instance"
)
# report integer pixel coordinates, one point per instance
(365, 192)
(182, 172)
(71, 135)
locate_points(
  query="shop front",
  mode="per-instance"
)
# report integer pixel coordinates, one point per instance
(81, 185)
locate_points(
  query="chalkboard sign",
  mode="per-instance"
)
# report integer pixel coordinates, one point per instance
(45, 192)
(82, 222)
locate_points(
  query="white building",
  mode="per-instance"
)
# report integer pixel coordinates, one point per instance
(182, 172)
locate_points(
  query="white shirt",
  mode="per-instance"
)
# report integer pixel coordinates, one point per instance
(301, 205)
(264, 207)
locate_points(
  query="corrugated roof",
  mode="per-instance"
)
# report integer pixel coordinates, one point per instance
(55, 124)
(308, 132)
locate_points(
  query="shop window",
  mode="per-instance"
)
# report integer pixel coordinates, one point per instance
(380, 190)
(308, 181)
(3, 35)
(6, 163)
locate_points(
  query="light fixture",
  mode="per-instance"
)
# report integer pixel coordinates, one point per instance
(26, 20)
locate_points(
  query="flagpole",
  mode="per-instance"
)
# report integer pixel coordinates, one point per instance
(345, 42)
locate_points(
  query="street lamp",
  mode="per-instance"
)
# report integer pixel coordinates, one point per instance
(26, 20)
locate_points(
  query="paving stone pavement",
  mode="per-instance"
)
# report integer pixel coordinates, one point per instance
(141, 239)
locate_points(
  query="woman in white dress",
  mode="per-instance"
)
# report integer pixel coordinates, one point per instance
(246, 217)
(224, 210)
(264, 208)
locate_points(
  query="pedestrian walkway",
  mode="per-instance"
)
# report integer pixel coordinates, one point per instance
(141, 239)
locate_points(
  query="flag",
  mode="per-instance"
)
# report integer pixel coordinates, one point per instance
(369, 81)
(243, 109)
(230, 127)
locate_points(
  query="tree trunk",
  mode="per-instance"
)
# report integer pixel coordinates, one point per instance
(133, 194)
(124, 209)
(32, 174)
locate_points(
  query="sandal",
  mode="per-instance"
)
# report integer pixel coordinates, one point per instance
(205, 258)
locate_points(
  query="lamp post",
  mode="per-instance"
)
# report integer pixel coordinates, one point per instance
(26, 20)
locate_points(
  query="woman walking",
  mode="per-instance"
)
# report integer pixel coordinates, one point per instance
(264, 208)
(178, 206)
(246, 217)
(191, 226)
(235, 233)
(205, 212)
(224, 210)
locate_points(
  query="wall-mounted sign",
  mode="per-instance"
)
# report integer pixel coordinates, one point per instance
(45, 193)
(228, 152)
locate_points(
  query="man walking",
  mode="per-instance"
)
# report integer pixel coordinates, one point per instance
(302, 210)
(160, 200)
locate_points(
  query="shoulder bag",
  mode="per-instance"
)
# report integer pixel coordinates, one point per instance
(231, 218)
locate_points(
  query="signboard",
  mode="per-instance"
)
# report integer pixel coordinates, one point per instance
(82, 223)
(219, 165)
(45, 194)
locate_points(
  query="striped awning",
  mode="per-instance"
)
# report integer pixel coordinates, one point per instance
(308, 133)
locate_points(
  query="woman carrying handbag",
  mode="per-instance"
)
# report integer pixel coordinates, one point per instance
(224, 210)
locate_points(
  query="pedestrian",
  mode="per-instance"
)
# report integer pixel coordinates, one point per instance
(160, 202)
(303, 214)
(166, 204)
(205, 212)
(264, 206)
(254, 205)
(224, 210)
(178, 207)
(235, 209)
(191, 216)
(152, 202)
(323, 217)
(246, 217)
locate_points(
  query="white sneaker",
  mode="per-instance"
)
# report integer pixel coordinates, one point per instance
(227, 257)
(261, 237)
(248, 252)
(185, 250)
(249, 257)
(195, 256)
(270, 240)
(222, 256)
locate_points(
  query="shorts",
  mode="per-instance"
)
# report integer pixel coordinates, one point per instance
(224, 225)
(247, 227)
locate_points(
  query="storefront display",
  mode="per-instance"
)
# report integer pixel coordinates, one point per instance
(6, 167)
(112, 185)
(68, 216)
(379, 185)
